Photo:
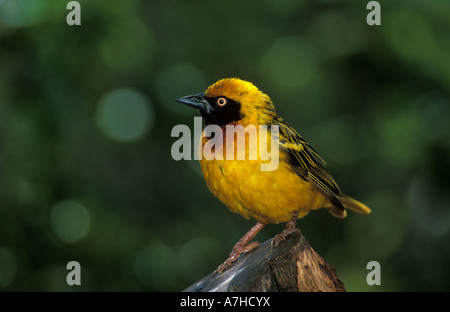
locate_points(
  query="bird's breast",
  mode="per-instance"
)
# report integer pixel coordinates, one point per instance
(240, 184)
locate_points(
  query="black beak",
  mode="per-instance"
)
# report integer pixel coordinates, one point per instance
(197, 101)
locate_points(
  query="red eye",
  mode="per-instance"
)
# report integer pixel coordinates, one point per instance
(221, 101)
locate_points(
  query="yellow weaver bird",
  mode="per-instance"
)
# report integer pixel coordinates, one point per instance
(299, 184)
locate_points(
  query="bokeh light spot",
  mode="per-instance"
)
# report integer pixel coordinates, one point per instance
(154, 266)
(290, 64)
(192, 265)
(70, 221)
(18, 13)
(125, 115)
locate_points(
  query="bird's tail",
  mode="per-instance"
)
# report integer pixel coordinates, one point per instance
(354, 205)
(348, 203)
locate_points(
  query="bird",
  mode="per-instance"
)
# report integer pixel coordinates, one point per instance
(299, 184)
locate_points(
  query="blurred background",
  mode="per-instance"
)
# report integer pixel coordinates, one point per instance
(86, 113)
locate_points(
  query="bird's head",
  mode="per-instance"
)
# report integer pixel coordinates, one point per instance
(232, 100)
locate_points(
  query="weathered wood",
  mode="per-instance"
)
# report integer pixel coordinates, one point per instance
(291, 266)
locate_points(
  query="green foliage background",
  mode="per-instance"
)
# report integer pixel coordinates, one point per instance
(86, 113)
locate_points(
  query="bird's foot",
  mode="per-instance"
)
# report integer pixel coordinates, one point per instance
(280, 237)
(238, 249)
(290, 228)
(241, 246)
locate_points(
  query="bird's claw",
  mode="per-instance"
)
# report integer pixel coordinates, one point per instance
(238, 249)
(280, 237)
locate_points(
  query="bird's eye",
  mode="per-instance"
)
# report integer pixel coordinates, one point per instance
(221, 101)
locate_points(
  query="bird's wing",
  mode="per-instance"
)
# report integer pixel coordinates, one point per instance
(307, 163)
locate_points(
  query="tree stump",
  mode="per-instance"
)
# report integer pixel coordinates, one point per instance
(291, 266)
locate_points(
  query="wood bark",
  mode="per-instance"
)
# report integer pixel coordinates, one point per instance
(291, 266)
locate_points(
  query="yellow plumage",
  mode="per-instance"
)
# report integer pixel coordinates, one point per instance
(299, 184)
(266, 196)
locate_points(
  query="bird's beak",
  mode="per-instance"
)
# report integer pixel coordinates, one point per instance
(197, 101)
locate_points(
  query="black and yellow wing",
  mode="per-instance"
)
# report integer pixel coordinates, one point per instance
(307, 163)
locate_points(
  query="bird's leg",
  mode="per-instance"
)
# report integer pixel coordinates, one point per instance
(290, 228)
(242, 246)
